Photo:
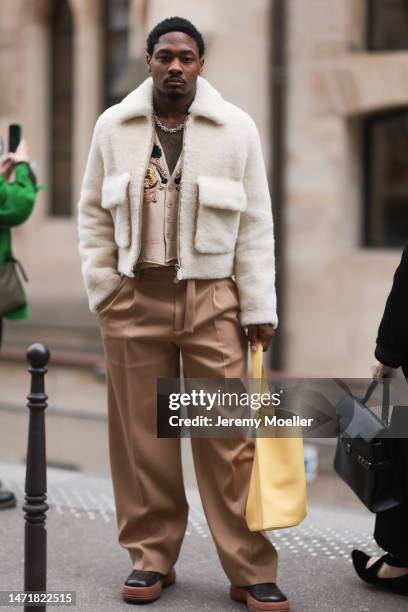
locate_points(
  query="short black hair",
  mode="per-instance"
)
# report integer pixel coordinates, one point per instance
(174, 24)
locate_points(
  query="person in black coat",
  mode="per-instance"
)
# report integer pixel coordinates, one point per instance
(390, 571)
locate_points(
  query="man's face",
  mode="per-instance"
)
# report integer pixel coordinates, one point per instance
(175, 64)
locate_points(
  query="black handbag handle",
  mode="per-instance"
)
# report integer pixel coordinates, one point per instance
(385, 407)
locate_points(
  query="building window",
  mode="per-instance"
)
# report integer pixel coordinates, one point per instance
(386, 179)
(387, 25)
(116, 47)
(61, 109)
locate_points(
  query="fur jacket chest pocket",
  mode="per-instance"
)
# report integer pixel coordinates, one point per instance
(221, 202)
(115, 197)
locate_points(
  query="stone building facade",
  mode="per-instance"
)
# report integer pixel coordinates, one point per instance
(335, 281)
(65, 60)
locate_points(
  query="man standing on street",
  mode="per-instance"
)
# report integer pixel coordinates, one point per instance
(177, 249)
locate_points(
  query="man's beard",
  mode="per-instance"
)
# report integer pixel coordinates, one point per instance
(175, 95)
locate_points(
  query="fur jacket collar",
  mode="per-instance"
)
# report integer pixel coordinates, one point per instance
(207, 103)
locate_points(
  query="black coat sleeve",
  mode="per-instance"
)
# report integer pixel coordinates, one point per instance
(392, 338)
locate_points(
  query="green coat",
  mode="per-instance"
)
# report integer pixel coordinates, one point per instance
(17, 201)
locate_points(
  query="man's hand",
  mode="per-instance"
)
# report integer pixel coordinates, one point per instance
(6, 167)
(382, 371)
(260, 333)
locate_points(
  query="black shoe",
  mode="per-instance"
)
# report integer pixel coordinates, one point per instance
(396, 585)
(144, 586)
(263, 596)
(7, 499)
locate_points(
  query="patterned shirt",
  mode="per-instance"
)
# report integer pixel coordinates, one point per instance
(160, 210)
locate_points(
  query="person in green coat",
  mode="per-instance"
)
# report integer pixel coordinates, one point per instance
(17, 199)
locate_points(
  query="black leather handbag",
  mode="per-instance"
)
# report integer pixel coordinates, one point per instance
(364, 456)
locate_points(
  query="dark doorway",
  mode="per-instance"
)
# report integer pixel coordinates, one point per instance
(61, 109)
(116, 46)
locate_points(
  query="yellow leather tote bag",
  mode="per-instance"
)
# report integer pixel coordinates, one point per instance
(277, 491)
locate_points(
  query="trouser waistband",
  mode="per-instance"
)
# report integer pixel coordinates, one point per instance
(169, 272)
(153, 272)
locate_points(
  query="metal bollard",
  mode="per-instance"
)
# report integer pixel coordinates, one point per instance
(35, 507)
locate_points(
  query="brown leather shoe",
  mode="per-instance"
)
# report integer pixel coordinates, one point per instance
(144, 586)
(261, 597)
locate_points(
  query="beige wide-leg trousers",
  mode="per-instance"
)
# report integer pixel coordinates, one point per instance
(144, 325)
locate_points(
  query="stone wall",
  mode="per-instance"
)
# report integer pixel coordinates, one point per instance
(335, 289)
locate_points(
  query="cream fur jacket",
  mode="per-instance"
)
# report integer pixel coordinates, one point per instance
(225, 225)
